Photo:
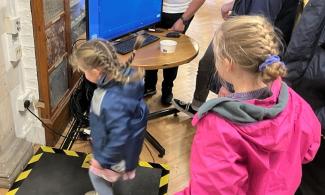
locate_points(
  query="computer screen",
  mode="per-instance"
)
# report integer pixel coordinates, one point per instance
(110, 19)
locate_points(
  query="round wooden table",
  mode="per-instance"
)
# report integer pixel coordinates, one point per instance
(150, 58)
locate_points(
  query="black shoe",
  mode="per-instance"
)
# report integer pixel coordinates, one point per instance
(166, 100)
(149, 92)
(184, 107)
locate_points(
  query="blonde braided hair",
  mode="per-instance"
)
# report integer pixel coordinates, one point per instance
(248, 41)
(101, 54)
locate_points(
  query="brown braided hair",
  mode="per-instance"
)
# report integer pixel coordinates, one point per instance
(247, 41)
(98, 53)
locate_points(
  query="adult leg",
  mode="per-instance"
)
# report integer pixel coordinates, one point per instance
(151, 75)
(150, 82)
(206, 73)
(169, 74)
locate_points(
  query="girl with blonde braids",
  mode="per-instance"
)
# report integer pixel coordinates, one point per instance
(118, 114)
(254, 140)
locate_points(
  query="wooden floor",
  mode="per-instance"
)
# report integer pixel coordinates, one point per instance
(176, 133)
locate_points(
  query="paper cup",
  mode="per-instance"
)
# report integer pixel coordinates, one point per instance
(168, 46)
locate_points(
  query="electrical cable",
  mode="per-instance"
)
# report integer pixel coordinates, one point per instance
(51, 130)
(80, 102)
(153, 159)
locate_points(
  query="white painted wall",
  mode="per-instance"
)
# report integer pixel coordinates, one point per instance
(6, 116)
(18, 79)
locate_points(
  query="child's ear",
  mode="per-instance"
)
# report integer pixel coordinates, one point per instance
(97, 71)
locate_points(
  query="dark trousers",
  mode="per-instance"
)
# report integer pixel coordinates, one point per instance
(151, 77)
(206, 78)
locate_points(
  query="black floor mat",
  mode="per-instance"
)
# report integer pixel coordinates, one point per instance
(56, 174)
(146, 182)
(59, 174)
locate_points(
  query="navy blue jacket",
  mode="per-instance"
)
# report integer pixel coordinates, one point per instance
(305, 57)
(280, 12)
(118, 120)
(305, 60)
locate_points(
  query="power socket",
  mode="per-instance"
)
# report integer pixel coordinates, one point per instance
(21, 100)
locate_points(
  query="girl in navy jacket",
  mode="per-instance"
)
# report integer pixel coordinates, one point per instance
(118, 115)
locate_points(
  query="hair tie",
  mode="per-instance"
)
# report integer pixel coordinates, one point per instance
(271, 59)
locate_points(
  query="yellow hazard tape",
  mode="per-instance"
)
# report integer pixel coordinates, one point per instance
(145, 164)
(12, 192)
(35, 158)
(71, 153)
(163, 180)
(86, 162)
(23, 175)
(165, 166)
(47, 149)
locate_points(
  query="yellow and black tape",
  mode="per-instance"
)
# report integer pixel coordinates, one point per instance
(46, 149)
(163, 187)
(86, 162)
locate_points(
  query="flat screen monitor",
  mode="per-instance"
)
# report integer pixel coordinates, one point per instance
(110, 19)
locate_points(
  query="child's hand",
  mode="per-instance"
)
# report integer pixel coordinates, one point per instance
(226, 9)
(94, 163)
(106, 174)
(129, 175)
(110, 175)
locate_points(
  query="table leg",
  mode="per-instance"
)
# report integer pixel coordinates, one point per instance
(152, 140)
(162, 113)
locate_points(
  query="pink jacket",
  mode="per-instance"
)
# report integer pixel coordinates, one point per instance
(261, 158)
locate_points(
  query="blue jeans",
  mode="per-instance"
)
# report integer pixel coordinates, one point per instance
(102, 187)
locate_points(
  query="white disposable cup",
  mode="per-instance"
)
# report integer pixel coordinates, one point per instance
(168, 46)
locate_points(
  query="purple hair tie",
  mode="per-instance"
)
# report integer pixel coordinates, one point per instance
(271, 59)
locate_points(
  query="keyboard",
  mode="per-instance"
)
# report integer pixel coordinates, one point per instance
(126, 46)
